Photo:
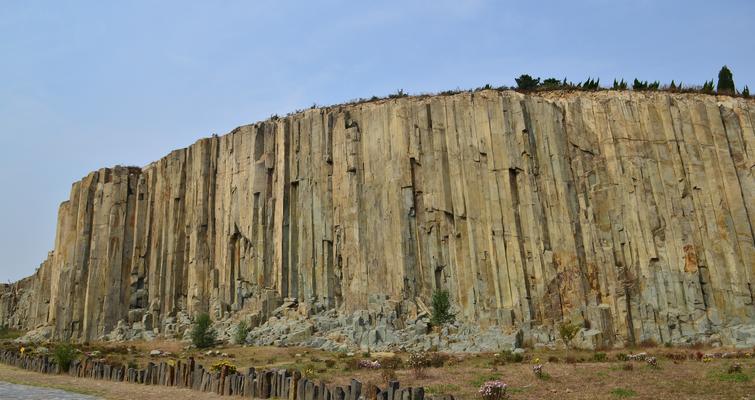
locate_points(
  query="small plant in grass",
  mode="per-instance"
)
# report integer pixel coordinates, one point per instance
(627, 366)
(64, 354)
(437, 360)
(330, 363)
(539, 373)
(506, 357)
(493, 390)
(568, 331)
(441, 308)
(394, 362)
(553, 359)
(202, 334)
(734, 368)
(368, 364)
(621, 392)
(727, 376)
(599, 357)
(388, 374)
(242, 330)
(418, 362)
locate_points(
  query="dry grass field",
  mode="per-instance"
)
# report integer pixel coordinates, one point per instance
(588, 375)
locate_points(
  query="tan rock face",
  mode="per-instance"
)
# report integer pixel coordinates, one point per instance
(633, 211)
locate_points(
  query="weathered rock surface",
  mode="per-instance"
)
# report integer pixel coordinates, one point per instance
(630, 212)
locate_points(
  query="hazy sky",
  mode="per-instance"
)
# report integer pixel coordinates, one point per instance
(85, 85)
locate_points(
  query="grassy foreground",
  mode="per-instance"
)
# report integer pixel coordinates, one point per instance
(587, 375)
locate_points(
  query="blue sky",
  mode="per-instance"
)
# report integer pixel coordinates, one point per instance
(88, 84)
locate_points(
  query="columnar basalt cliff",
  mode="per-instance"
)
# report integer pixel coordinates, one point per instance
(632, 213)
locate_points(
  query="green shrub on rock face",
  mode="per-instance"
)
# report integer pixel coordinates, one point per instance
(64, 355)
(746, 92)
(242, 330)
(202, 335)
(441, 305)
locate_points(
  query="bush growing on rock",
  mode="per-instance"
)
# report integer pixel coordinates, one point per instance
(202, 334)
(568, 331)
(441, 312)
(242, 330)
(64, 355)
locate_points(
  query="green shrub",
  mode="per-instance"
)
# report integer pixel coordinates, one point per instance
(639, 85)
(621, 392)
(441, 305)
(394, 362)
(746, 92)
(551, 83)
(707, 87)
(64, 354)
(599, 357)
(202, 334)
(725, 81)
(399, 94)
(8, 333)
(418, 362)
(568, 331)
(591, 84)
(242, 330)
(526, 82)
(619, 85)
(507, 356)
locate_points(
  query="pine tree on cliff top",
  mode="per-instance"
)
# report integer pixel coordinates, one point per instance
(725, 81)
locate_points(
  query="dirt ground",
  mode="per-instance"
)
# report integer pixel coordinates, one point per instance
(460, 375)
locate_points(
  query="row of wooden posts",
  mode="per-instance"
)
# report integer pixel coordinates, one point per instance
(260, 384)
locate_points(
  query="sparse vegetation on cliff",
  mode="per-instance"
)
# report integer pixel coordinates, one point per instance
(725, 86)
